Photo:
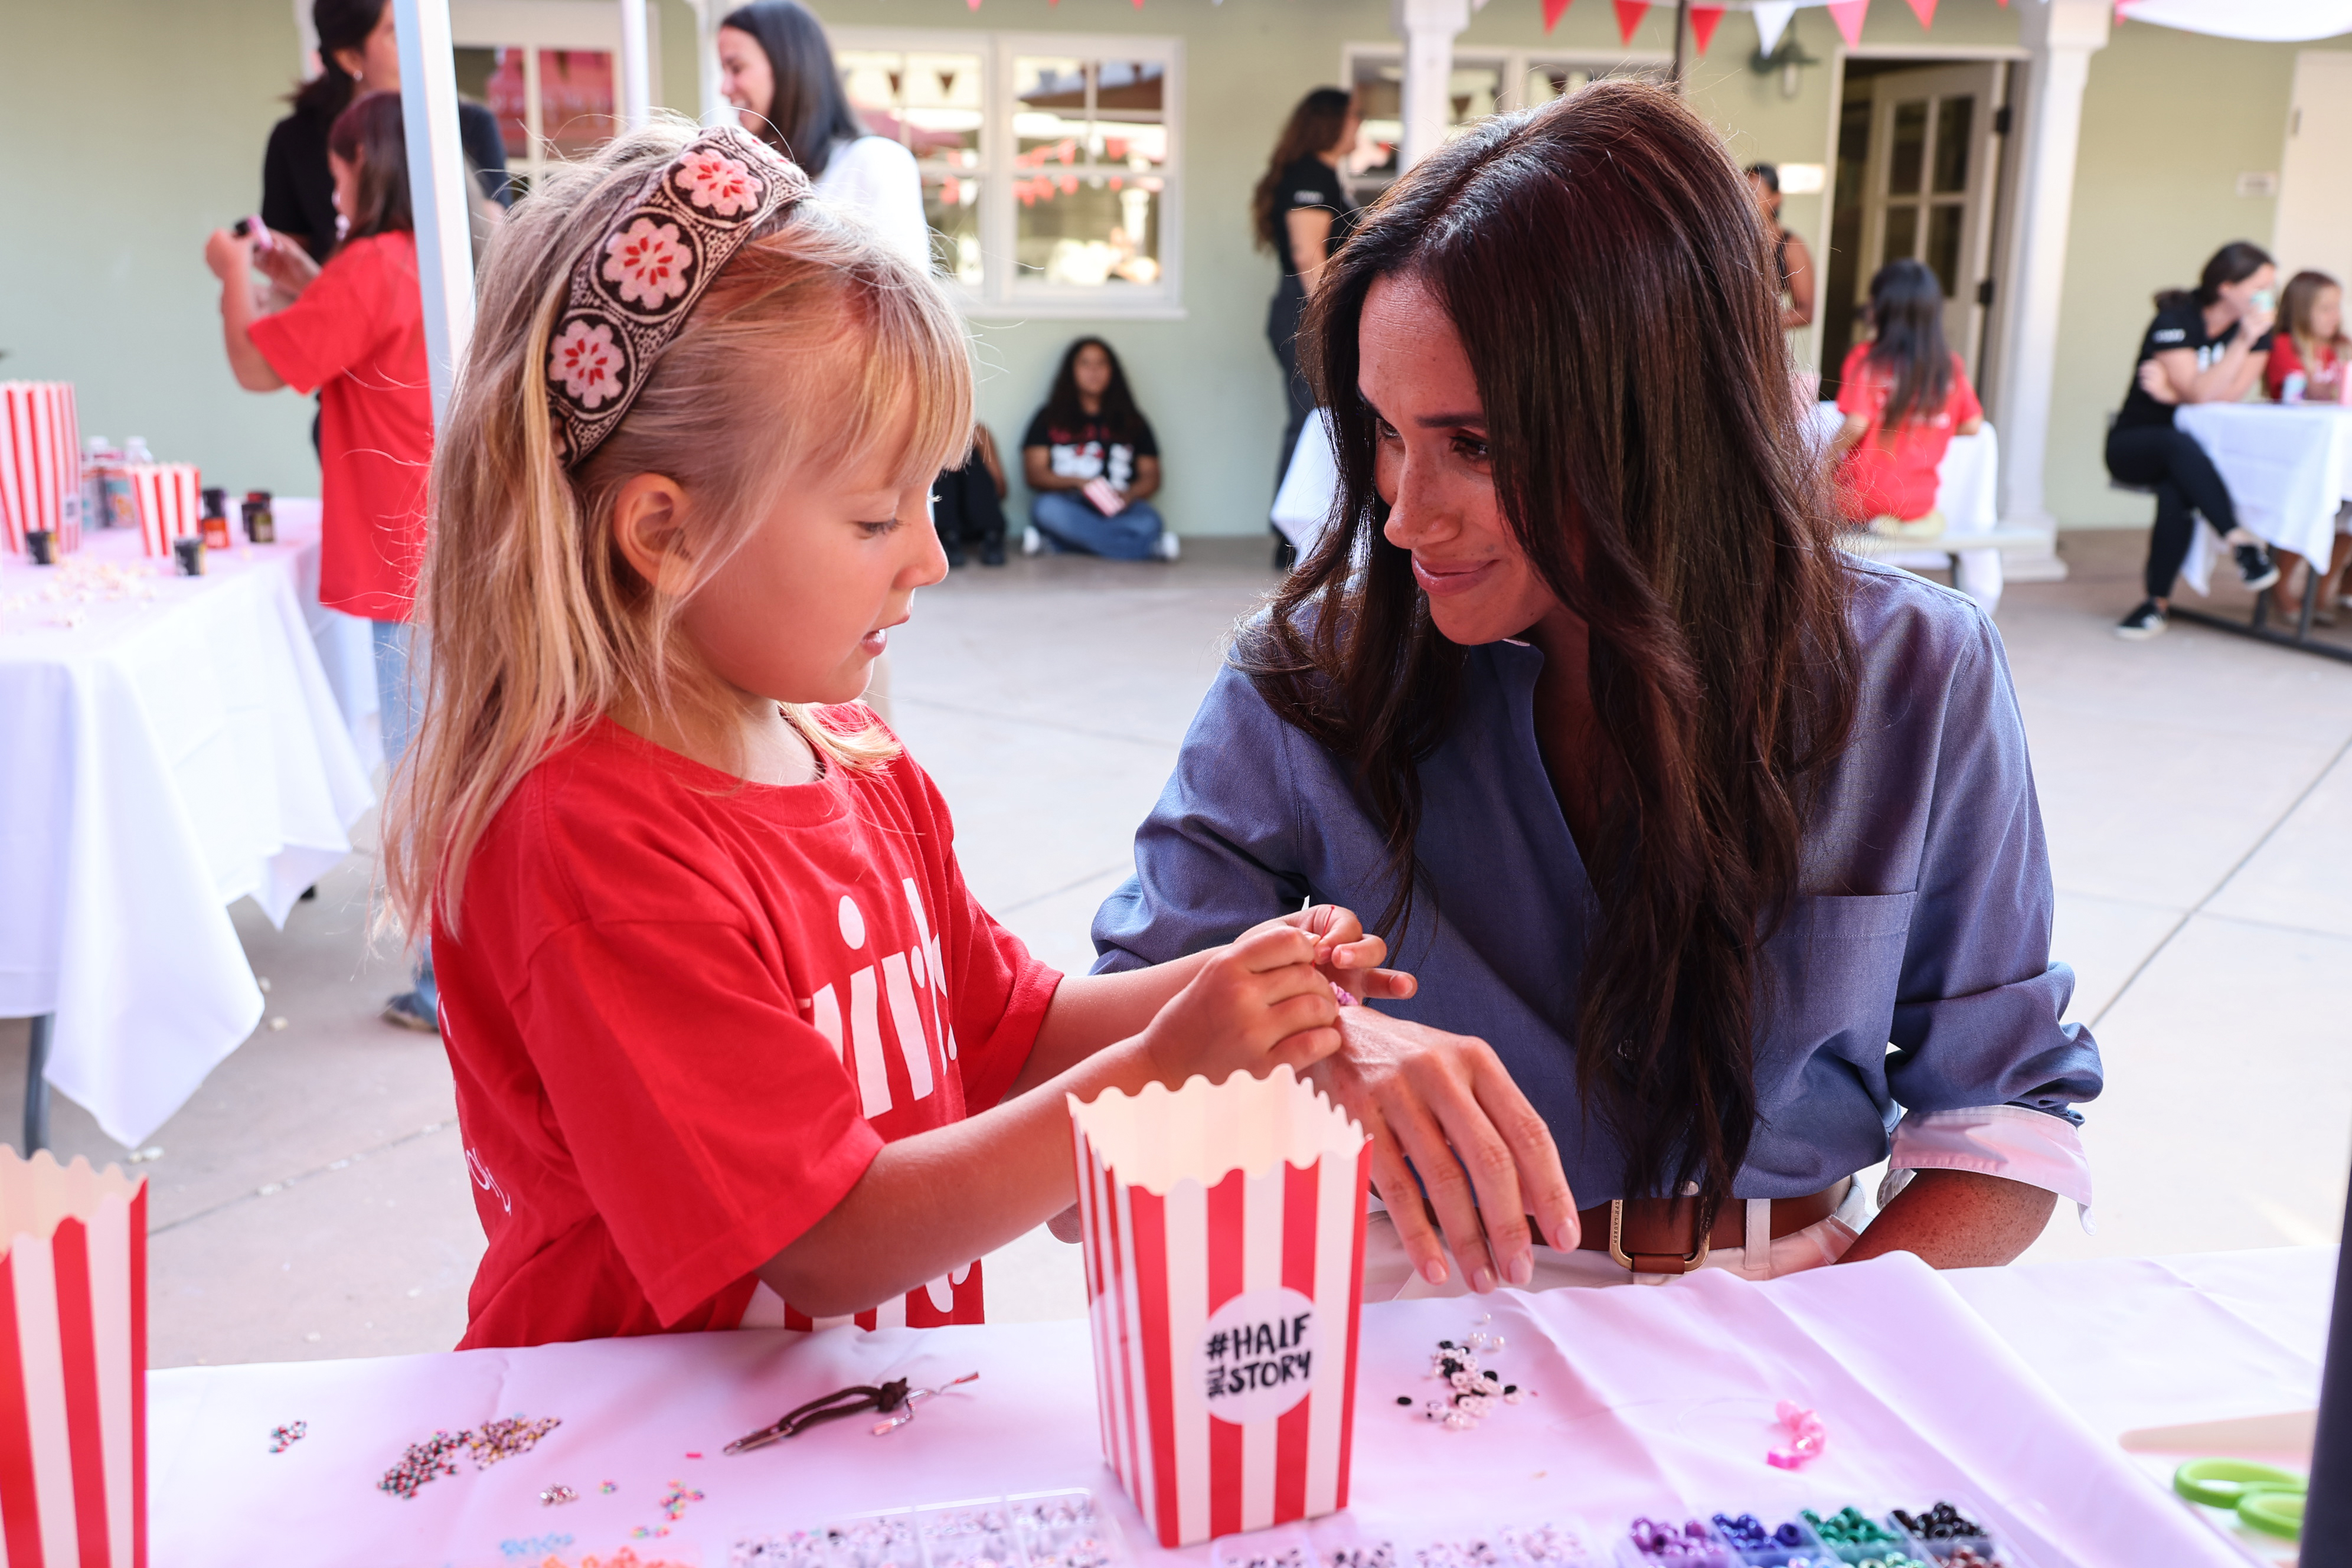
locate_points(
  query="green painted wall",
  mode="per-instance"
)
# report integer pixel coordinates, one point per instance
(106, 286)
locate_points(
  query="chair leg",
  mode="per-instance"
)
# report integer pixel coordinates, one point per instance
(36, 1086)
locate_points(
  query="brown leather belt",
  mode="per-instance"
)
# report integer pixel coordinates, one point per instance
(1659, 1236)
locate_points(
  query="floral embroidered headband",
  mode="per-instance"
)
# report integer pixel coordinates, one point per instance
(632, 293)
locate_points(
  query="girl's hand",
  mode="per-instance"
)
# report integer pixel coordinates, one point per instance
(1253, 1005)
(230, 258)
(1345, 955)
(286, 264)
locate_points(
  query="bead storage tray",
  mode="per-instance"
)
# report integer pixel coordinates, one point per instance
(1024, 1530)
(1778, 1540)
(1335, 1543)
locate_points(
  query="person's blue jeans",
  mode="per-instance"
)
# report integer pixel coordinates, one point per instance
(400, 703)
(1071, 522)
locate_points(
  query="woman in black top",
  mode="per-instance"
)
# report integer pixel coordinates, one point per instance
(1301, 213)
(359, 52)
(2206, 346)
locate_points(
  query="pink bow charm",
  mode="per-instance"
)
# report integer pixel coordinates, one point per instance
(1807, 1437)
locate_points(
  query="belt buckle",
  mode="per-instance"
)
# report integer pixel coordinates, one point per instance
(1617, 1242)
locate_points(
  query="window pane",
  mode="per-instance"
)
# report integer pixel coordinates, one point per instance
(1131, 89)
(1092, 230)
(928, 101)
(1471, 94)
(1953, 117)
(575, 101)
(1902, 235)
(1050, 116)
(1379, 93)
(952, 206)
(1943, 244)
(1906, 157)
(1545, 83)
(494, 78)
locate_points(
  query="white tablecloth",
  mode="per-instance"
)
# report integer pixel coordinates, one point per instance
(1649, 1401)
(2288, 467)
(1302, 508)
(175, 751)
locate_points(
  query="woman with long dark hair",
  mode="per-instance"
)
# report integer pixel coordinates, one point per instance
(1905, 395)
(2207, 345)
(359, 53)
(1300, 211)
(776, 68)
(1091, 463)
(1679, 816)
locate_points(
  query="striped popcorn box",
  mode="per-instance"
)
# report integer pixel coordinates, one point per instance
(73, 1365)
(169, 498)
(1225, 1253)
(40, 463)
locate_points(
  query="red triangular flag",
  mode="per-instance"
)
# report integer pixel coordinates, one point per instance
(1553, 11)
(1926, 11)
(1629, 18)
(1848, 16)
(1703, 21)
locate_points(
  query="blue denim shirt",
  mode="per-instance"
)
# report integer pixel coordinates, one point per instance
(1912, 973)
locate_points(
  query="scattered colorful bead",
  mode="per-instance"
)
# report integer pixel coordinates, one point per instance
(1673, 1543)
(1473, 1390)
(505, 1438)
(284, 1438)
(1807, 1437)
(423, 1462)
(487, 1444)
(550, 1497)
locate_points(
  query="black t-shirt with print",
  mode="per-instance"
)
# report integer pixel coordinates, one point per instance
(2177, 326)
(1090, 449)
(1310, 183)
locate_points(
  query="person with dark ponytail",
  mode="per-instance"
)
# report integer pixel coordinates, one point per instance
(358, 53)
(1300, 211)
(2209, 345)
(1905, 395)
(1680, 816)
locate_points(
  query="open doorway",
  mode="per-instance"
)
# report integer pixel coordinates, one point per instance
(1920, 175)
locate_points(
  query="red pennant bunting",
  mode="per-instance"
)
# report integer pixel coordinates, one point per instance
(1703, 21)
(1848, 15)
(1926, 11)
(1553, 11)
(1629, 18)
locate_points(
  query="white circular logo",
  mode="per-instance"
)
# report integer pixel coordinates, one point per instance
(1257, 1355)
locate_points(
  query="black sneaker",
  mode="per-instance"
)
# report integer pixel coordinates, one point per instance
(2142, 624)
(408, 1010)
(992, 551)
(2255, 567)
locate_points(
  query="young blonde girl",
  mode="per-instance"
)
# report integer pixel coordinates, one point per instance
(733, 1043)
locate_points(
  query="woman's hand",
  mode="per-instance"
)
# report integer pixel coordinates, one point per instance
(1441, 1107)
(2156, 382)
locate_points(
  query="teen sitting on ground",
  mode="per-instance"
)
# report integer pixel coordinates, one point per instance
(1905, 395)
(1090, 458)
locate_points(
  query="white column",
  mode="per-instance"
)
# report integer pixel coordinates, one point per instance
(1428, 28)
(711, 108)
(2063, 35)
(437, 188)
(636, 71)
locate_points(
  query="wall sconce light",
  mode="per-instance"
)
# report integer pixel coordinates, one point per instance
(1788, 60)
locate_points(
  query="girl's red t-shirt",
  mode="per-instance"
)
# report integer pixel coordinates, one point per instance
(685, 1012)
(356, 336)
(2321, 380)
(1893, 473)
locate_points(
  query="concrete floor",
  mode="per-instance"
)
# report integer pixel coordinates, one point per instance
(312, 1201)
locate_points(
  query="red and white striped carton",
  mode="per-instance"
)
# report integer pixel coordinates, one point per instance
(40, 463)
(1224, 1254)
(73, 1365)
(169, 499)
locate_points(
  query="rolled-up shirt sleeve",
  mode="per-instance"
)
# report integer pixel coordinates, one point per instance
(1987, 1076)
(1221, 850)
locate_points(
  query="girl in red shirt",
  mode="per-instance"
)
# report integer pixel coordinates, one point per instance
(355, 335)
(2311, 343)
(733, 1043)
(1905, 395)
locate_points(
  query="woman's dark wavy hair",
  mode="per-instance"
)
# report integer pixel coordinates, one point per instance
(1314, 128)
(340, 25)
(1603, 262)
(1119, 415)
(371, 134)
(2233, 263)
(810, 113)
(1906, 313)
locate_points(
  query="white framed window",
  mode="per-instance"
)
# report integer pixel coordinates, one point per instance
(547, 69)
(1051, 163)
(1484, 82)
